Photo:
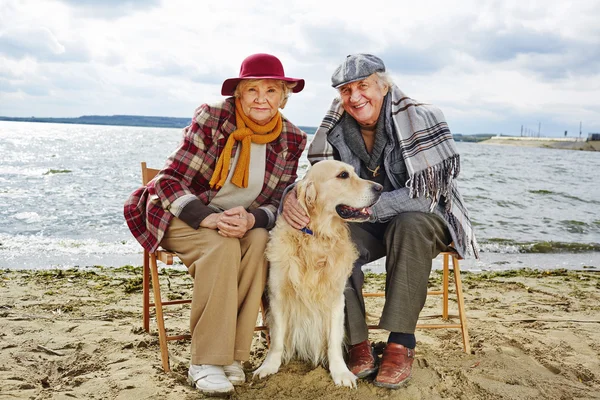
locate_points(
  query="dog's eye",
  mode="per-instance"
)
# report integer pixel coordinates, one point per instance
(343, 175)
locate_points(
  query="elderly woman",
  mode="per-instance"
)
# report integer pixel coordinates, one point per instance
(212, 205)
(405, 146)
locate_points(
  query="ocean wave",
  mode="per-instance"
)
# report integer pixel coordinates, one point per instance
(574, 226)
(28, 217)
(15, 246)
(22, 170)
(541, 191)
(500, 245)
(563, 195)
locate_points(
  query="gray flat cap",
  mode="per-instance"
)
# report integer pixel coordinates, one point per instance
(356, 67)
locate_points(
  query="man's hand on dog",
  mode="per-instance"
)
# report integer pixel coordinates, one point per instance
(233, 223)
(293, 214)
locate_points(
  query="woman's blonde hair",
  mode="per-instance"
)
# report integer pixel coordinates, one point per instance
(286, 87)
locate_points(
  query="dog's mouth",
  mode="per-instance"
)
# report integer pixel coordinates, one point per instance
(353, 214)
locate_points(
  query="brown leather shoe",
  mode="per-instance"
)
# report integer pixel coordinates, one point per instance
(361, 361)
(396, 366)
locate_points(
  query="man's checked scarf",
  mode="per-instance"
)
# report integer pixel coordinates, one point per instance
(429, 152)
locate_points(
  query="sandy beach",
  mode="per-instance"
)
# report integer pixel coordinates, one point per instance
(76, 334)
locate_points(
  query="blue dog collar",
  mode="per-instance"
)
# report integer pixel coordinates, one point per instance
(306, 230)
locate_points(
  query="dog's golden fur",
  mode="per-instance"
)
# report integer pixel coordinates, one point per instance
(308, 272)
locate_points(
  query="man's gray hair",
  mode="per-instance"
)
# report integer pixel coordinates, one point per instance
(384, 80)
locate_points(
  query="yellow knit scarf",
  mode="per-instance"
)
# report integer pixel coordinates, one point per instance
(247, 131)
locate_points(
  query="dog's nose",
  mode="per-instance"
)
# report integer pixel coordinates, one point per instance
(377, 187)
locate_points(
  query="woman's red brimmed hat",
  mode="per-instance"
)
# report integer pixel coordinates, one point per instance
(260, 66)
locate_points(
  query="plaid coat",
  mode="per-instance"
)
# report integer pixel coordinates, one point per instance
(189, 168)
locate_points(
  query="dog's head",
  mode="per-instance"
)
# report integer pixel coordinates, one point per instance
(333, 187)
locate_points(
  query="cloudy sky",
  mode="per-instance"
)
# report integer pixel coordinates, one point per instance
(491, 66)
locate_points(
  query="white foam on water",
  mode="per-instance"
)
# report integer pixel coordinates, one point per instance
(37, 251)
(6, 170)
(499, 248)
(506, 261)
(29, 217)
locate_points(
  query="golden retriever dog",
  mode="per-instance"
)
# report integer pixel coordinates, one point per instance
(309, 269)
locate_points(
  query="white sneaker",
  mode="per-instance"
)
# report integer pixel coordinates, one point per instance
(209, 379)
(235, 373)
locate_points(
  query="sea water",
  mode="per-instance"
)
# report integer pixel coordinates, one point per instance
(62, 189)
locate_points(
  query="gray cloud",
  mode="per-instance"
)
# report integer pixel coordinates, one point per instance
(576, 59)
(54, 80)
(557, 39)
(7, 86)
(27, 87)
(498, 46)
(194, 73)
(38, 40)
(544, 54)
(405, 60)
(333, 42)
(40, 43)
(109, 9)
(547, 54)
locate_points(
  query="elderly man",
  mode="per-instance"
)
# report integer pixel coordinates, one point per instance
(407, 147)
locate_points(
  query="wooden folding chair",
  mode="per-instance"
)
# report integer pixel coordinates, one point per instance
(150, 273)
(462, 316)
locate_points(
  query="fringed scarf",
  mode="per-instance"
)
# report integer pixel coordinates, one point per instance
(247, 131)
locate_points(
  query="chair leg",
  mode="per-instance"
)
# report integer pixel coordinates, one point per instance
(264, 306)
(162, 334)
(445, 288)
(146, 290)
(461, 306)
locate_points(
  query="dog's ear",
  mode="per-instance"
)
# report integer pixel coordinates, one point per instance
(307, 194)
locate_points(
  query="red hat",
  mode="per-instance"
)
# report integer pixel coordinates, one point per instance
(260, 66)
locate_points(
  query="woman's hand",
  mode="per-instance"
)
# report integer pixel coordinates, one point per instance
(293, 214)
(211, 221)
(235, 222)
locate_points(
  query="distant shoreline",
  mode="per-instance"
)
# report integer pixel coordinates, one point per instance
(547, 143)
(113, 120)
(122, 120)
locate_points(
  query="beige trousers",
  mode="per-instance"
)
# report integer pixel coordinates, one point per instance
(229, 278)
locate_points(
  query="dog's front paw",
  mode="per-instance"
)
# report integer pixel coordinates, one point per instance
(344, 378)
(267, 368)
